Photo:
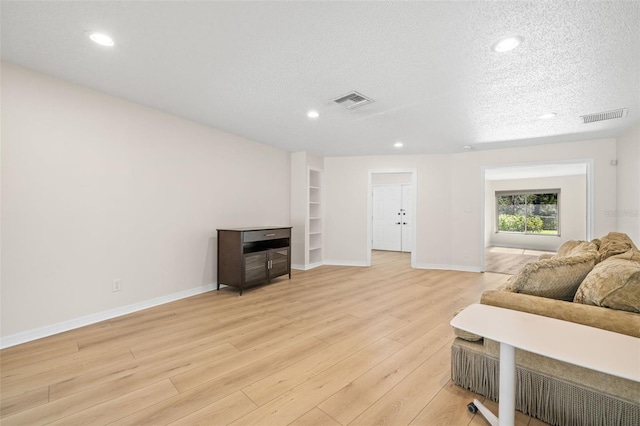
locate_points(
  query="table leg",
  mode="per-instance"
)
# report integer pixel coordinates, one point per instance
(491, 418)
(507, 396)
(507, 401)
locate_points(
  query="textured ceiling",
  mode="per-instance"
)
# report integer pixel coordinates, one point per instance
(255, 68)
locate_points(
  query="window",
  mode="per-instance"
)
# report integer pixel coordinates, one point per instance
(528, 212)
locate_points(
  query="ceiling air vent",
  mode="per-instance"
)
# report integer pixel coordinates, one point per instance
(352, 100)
(601, 116)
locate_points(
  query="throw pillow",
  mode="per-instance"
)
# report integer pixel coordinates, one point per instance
(556, 278)
(612, 284)
(578, 248)
(567, 247)
(615, 243)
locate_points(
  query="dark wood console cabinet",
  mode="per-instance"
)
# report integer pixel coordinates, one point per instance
(252, 256)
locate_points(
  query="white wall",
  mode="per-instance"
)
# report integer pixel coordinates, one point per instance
(450, 199)
(467, 168)
(390, 178)
(573, 211)
(96, 188)
(346, 206)
(627, 210)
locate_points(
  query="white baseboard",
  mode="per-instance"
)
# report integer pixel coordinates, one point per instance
(314, 265)
(525, 246)
(344, 263)
(299, 267)
(49, 330)
(460, 268)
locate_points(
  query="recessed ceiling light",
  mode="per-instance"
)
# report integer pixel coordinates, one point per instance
(313, 114)
(467, 147)
(101, 38)
(398, 144)
(506, 44)
(547, 116)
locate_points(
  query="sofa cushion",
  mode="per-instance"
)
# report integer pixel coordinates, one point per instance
(578, 248)
(622, 322)
(615, 243)
(556, 278)
(613, 284)
(574, 248)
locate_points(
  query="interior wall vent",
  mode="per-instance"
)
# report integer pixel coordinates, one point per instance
(352, 100)
(601, 116)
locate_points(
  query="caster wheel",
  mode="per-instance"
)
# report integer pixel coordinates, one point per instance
(472, 408)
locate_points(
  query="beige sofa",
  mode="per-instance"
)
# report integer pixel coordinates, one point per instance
(593, 283)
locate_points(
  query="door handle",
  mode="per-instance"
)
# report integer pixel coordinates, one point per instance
(404, 223)
(397, 223)
(272, 235)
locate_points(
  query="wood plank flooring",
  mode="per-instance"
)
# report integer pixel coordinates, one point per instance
(504, 260)
(332, 346)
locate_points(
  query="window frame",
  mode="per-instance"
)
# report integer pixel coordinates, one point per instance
(498, 194)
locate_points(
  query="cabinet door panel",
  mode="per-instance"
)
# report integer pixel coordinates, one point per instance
(255, 267)
(279, 262)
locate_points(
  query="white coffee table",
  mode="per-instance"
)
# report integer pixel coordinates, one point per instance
(589, 347)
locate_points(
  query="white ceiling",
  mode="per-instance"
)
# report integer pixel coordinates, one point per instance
(255, 68)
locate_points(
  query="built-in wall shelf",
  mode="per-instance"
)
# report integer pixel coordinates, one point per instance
(315, 226)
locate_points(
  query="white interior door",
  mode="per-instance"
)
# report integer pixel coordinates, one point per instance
(407, 218)
(392, 218)
(387, 220)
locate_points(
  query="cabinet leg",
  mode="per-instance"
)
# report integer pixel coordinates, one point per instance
(241, 292)
(218, 287)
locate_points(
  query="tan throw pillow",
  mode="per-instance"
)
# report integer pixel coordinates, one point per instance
(567, 246)
(615, 243)
(556, 278)
(612, 284)
(578, 248)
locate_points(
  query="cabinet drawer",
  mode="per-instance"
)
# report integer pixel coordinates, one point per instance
(266, 234)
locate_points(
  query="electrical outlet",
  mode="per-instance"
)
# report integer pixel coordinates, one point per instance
(116, 285)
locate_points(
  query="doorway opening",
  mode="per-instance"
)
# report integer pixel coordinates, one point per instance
(391, 209)
(391, 217)
(547, 224)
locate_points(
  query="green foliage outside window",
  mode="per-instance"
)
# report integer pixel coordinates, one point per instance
(515, 223)
(531, 213)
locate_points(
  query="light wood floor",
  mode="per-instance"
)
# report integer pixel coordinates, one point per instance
(331, 346)
(504, 260)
